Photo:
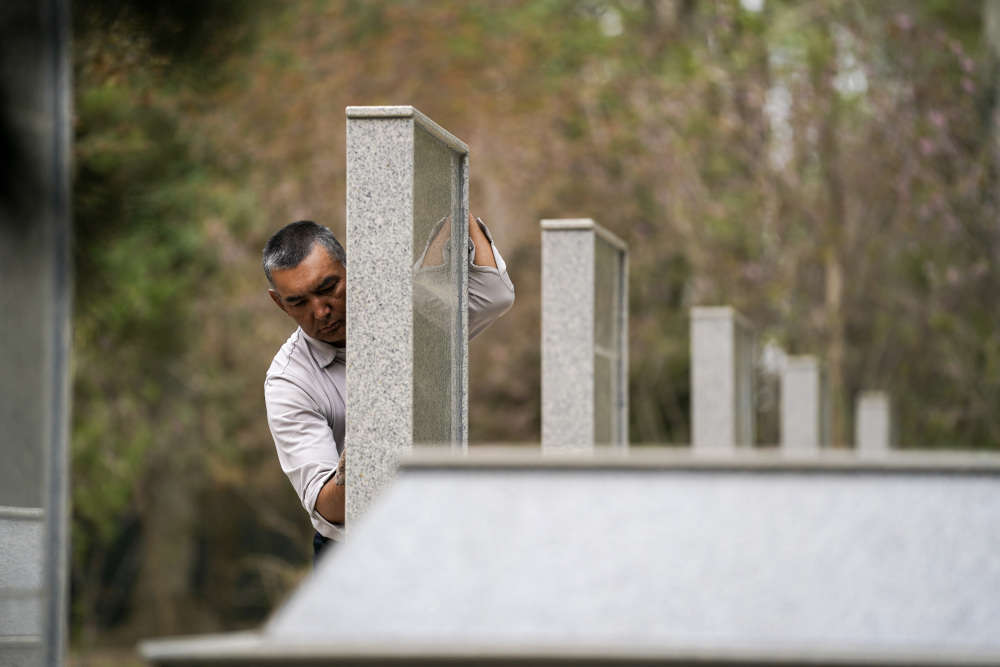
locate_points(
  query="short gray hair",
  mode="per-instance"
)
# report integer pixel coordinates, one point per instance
(293, 243)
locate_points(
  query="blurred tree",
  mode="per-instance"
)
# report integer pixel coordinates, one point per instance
(144, 261)
(828, 167)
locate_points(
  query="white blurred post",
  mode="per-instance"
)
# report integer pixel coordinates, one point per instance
(873, 427)
(722, 380)
(805, 406)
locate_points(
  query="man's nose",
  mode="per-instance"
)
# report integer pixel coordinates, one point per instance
(321, 309)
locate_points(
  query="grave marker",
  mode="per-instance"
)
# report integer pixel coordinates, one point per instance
(584, 336)
(407, 296)
(722, 380)
(805, 406)
(874, 432)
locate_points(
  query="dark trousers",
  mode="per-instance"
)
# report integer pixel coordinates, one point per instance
(321, 545)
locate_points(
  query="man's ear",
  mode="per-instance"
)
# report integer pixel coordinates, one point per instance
(277, 300)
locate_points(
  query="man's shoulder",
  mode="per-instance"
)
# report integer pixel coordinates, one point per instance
(293, 358)
(296, 375)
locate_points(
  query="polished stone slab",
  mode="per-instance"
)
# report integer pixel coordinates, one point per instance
(407, 298)
(748, 559)
(584, 336)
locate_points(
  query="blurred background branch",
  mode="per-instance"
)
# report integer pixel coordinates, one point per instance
(830, 168)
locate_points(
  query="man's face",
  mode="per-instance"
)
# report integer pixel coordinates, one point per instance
(314, 294)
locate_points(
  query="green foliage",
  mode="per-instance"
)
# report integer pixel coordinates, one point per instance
(825, 167)
(144, 265)
(140, 258)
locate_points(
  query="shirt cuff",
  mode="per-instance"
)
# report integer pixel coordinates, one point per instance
(334, 531)
(501, 266)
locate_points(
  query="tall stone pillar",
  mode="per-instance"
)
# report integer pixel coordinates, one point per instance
(407, 293)
(584, 336)
(722, 380)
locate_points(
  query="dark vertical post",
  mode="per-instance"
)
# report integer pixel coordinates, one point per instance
(35, 309)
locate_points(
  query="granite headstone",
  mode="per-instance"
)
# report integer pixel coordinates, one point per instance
(407, 296)
(874, 429)
(805, 408)
(722, 380)
(584, 336)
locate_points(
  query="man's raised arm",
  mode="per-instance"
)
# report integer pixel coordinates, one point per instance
(330, 501)
(491, 293)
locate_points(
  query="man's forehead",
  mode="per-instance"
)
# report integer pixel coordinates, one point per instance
(309, 274)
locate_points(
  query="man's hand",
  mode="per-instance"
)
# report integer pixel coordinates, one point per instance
(330, 502)
(484, 251)
(340, 477)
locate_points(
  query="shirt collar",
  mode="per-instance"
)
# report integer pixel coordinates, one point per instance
(323, 353)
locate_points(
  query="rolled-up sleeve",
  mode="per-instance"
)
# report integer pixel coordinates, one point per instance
(305, 444)
(491, 292)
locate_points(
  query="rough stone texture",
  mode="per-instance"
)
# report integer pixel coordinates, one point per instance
(805, 412)
(391, 344)
(722, 383)
(567, 339)
(584, 336)
(873, 423)
(35, 268)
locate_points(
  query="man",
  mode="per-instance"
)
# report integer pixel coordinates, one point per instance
(305, 388)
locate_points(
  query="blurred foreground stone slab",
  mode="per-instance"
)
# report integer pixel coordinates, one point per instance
(652, 557)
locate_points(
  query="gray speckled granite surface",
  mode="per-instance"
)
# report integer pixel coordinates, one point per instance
(391, 197)
(670, 560)
(567, 339)
(507, 556)
(379, 304)
(584, 336)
